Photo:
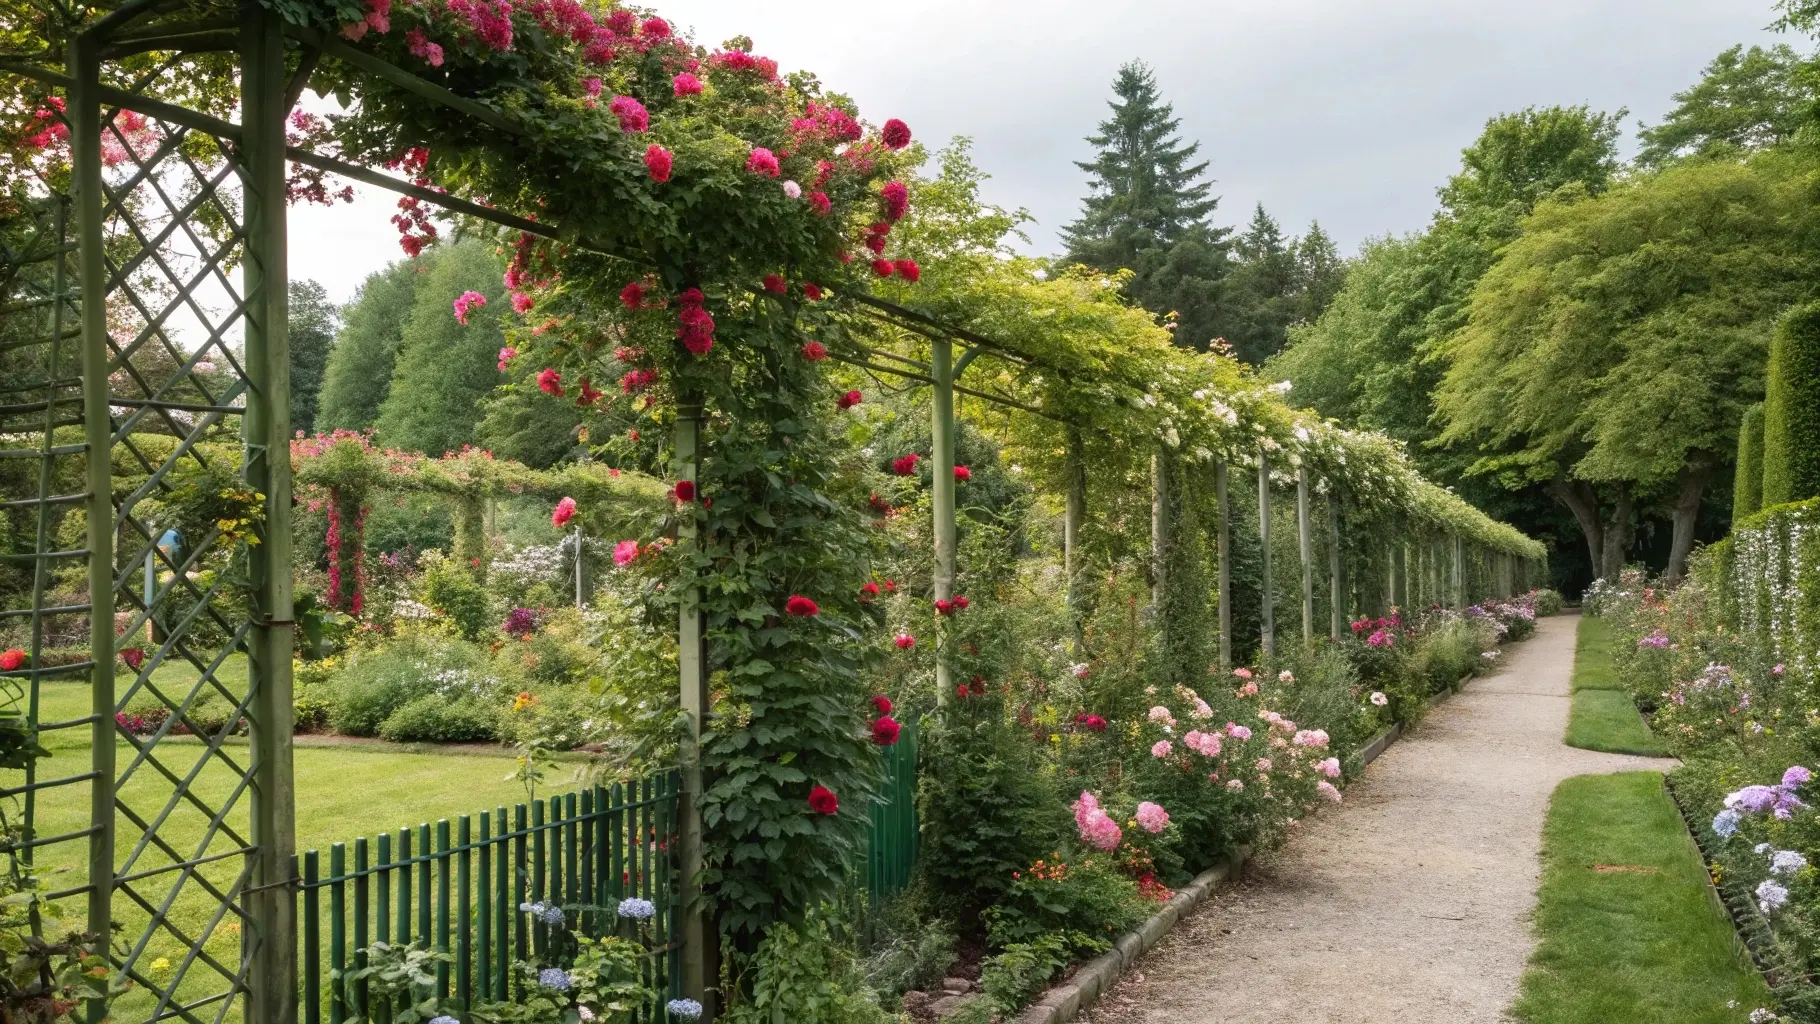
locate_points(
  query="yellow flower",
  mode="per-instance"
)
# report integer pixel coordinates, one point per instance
(161, 964)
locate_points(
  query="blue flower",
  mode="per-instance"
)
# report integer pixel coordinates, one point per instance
(1725, 823)
(637, 909)
(687, 1009)
(444, 1020)
(554, 977)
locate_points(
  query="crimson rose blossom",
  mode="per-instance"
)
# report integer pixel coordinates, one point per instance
(820, 203)
(686, 84)
(823, 801)
(897, 200)
(775, 284)
(868, 592)
(685, 490)
(763, 161)
(963, 473)
(882, 703)
(632, 296)
(896, 134)
(656, 28)
(632, 114)
(564, 511)
(904, 465)
(847, 401)
(812, 291)
(550, 382)
(905, 641)
(882, 268)
(908, 270)
(134, 657)
(885, 731)
(658, 161)
(800, 605)
(814, 351)
(11, 659)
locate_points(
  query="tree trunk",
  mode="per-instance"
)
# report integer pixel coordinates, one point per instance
(1617, 534)
(1687, 509)
(1583, 502)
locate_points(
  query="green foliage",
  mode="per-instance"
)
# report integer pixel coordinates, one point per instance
(433, 718)
(1549, 602)
(399, 983)
(455, 591)
(1747, 488)
(1146, 210)
(528, 426)
(1089, 896)
(1791, 409)
(445, 368)
(1276, 282)
(359, 370)
(371, 685)
(1020, 970)
(1746, 100)
(910, 950)
(803, 973)
(313, 321)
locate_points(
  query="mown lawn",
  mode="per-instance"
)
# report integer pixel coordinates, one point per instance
(1626, 931)
(342, 792)
(1602, 716)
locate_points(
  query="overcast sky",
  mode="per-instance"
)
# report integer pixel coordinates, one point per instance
(1342, 111)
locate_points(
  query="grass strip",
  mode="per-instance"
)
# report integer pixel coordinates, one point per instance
(1602, 716)
(1625, 929)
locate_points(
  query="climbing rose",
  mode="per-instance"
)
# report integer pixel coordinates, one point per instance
(588, 395)
(624, 552)
(963, 473)
(896, 134)
(905, 641)
(882, 703)
(11, 659)
(1151, 817)
(1097, 828)
(521, 303)
(823, 801)
(632, 296)
(658, 161)
(908, 270)
(550, 382)
(565, 511)
(904, 465)
(812, 291)
(814, 351)
(960, 601)
(885, 731)
(775, 284)
(897, 200)
(876, 243)
(134, 657)
(467, 301)
(422, 47)
(793, 190)
(697, 330)
(802, 606)
(763, 161)
(686, 84)
(847, 401)
(882, 268)
(1161, 748)
(505, 356)
(944, 607)
(685, 490)
(819, 202)
(868, 592)
(632, 114)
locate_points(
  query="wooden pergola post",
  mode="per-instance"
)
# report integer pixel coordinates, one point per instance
(1225, 553)
(1267, 597)
(1305, 540)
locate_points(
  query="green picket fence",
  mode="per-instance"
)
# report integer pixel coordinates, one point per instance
(892, 843)
(460, 889)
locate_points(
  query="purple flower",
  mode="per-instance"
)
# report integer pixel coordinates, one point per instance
(520, 622)
(1796, 776)
(1753, 799)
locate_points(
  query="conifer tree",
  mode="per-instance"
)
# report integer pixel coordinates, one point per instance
(1147, 207)
(312, 329)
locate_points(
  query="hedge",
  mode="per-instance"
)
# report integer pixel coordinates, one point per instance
(1791, 409)
(1747, 490)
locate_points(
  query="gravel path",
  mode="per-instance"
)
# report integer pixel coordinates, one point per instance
(1410, 902)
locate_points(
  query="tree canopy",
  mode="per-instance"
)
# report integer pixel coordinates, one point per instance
(359, 370)
(312, 330)
(1746, 100)
(445, 368)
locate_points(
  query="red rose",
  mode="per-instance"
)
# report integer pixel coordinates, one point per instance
(775, 284)
(812, 291)
(685, 490)
(882, 268)
(134, 657)
(632, 296)
(814, 351)
(883, 704)
(818, 201)
(977, 684)
(847, 401)
(944, 607)
(550, 382)
(800, 605)
(823, 801)
(867, 593)
(896, 134)
(885, 730)
(963, 473)
(11, 659)
(908, 270)
(904, 465)
(961, 691)
(897, 200)
(658, 162)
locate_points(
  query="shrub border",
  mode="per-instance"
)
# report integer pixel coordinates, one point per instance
(1062, 1002)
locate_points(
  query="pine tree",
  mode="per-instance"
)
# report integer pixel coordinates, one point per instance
(312, 329)
(1319, 273)
(1147, 208)
(1259, 291)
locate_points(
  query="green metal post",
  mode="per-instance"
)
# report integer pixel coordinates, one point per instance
(941, 429)
(267, 430)
(1073, 511)
(1336, 569)
(1267, 603)
(1459, 574)
(1159, 527)
(696, 978)
(1305, 539)
(1225, 553)
(84, 106)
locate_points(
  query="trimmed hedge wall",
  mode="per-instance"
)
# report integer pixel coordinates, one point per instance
(1766, 576)
(1747, 489)
(1791, 409)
